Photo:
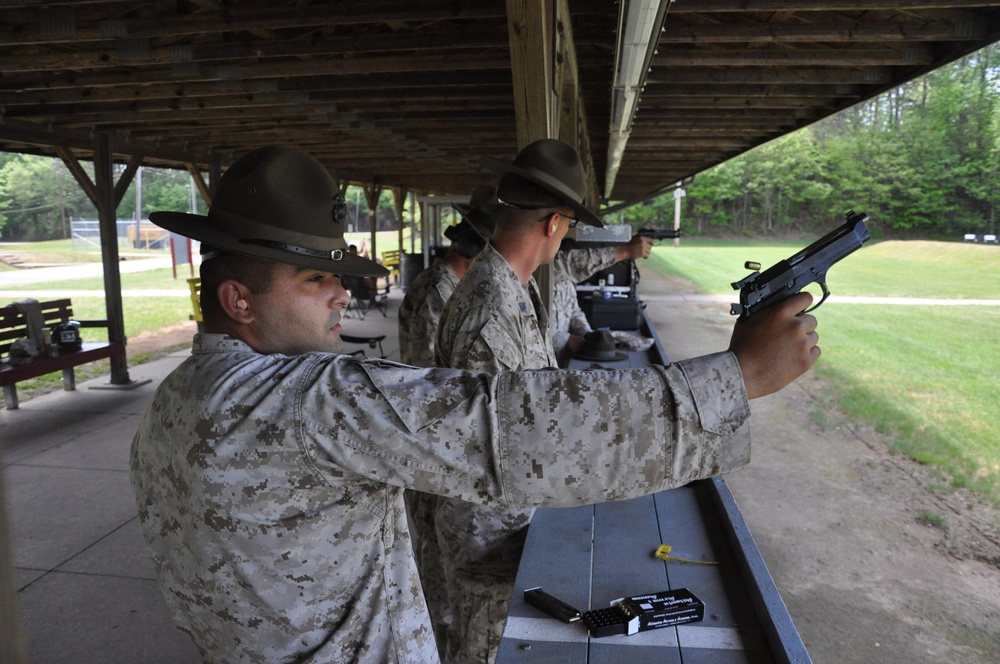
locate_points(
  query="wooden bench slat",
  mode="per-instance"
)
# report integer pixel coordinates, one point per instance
(91, 352)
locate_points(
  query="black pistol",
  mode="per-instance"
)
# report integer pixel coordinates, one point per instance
(659, 234)
(788, 277)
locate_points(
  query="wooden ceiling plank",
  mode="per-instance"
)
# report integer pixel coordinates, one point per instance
(172, 25)
(155, 75)
(261, 49)
(813, 57)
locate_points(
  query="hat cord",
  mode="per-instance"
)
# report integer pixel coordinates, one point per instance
(333, 254)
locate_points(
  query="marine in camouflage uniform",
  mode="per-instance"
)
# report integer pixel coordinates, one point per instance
(421, 311)
(419, 315)
(268, 471)
(568, 319)
(491, 323)
(424, 302)
(270, 487)
(496, 321)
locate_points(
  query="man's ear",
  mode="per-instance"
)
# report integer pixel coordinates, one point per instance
(234, 298)
(551, 224)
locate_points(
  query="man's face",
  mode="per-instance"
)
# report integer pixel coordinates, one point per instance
(300, 313)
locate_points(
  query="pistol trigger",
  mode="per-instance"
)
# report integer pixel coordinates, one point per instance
(826, 294)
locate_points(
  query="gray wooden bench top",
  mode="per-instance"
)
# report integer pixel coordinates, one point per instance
(589, 556)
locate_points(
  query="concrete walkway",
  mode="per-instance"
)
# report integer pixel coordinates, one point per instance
(40, 275)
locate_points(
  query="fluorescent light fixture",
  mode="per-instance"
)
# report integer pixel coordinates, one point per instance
(639, 26)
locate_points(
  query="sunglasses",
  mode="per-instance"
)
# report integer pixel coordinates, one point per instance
(573, 221)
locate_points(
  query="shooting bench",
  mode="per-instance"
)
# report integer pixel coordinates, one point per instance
(13, 326)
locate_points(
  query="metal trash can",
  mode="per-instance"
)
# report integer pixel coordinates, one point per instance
(410, 265)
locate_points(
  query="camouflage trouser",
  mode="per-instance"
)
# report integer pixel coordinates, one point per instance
(473, 637)
(420, 510)
(480, 549)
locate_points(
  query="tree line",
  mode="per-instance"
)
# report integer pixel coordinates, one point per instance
(39, 197)
(922, 160)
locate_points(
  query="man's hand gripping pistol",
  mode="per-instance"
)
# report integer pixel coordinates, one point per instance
(788, 277)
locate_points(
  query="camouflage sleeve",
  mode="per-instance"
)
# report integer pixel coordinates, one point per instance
(523, 439)
(578, 323)
(567, 317)
(637, 431)
(579, 264)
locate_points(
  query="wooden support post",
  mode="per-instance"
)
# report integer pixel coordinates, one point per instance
(529, 31)
(106, 194)
(399, 196)
(372, 194)
(532, 47)
(199, 182)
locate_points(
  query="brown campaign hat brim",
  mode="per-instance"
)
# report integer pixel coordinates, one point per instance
(616, 356)
(482, 219)
(195, 226)
(548, 182)
(279, 204)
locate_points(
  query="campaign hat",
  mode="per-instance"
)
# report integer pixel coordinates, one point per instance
(599, 346)
(481, 210)
(554, 166)
(279, 204)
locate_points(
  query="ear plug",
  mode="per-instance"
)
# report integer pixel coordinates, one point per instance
(242, 304)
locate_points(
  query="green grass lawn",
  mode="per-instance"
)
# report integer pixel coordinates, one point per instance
(885, 269)
(58, 252)
(928, 376)
(162, 279)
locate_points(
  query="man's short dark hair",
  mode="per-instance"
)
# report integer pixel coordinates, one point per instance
(516, 189)
(254, 273)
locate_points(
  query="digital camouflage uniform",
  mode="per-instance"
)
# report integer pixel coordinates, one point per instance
(491, 323)
(421, 311)
(579, 263)
(269, 487)
(570, 267)
(419, 315)
(567, 318)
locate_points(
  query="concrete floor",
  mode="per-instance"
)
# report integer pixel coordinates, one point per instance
(86, 586)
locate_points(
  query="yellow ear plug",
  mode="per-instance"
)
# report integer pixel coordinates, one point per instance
(663, 553)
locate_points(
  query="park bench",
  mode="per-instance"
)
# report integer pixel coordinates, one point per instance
(390, 261)
(13, 326)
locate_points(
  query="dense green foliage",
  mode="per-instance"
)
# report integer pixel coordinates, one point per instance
(39, 197)
(920, 160)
